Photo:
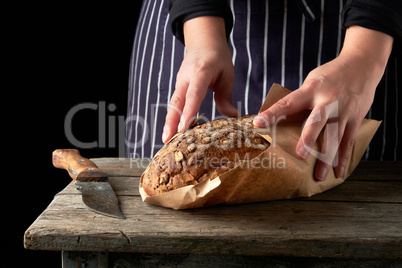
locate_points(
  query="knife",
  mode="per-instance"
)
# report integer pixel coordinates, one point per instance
(97, 194)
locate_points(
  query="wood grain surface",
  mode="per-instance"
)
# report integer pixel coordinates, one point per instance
(361, 218)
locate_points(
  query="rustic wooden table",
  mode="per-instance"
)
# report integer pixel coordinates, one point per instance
(356, 223)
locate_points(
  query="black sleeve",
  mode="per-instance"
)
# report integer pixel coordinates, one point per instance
(381, 15)
(183, 10)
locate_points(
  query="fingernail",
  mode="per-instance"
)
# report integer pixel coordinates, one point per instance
(303, 152)
(233, 112)
(260, 121)
(321, 173)
(341, 172)
(165, 134)
(181, 124)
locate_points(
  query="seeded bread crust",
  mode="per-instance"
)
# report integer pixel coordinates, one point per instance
(203, 152)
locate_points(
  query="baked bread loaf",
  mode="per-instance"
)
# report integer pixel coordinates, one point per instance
(202, 152)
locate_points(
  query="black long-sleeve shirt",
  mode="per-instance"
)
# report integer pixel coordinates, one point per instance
(184, 10)
(383, 16)
(271, 42)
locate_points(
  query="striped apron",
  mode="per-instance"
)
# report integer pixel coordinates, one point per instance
(271, 42)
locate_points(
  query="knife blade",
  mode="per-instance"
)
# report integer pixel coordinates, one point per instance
(97, 194)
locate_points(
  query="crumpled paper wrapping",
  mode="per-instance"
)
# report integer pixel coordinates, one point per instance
(278, 173)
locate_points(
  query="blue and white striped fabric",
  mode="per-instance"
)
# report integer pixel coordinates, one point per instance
(271, 42)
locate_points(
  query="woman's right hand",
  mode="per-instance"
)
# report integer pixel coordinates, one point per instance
(207, 64)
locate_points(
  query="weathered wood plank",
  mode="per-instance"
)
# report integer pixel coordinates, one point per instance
(290, 228)
(122, 166)
(121, 186)
(378, 171)
(361, 218)
(366, 170)
(349, 191)
(362, 191)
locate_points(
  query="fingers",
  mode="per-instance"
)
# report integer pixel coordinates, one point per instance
(322, 118)
(195, 94)
(338, 140)
(315, 123)
(186, 101)
(174, 113)
(290, 104)
(184, 104)
(337, 150)
(223, 100)
(328, 157)
(223, 94)
(311, 130)
(346, 148)
(338, 137)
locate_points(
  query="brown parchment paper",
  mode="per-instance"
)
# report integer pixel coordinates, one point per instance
(277, 173)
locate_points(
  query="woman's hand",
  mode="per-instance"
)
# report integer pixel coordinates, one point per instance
(339, 95)
(207, 64)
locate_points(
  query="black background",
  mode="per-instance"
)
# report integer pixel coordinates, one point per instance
(57, 57)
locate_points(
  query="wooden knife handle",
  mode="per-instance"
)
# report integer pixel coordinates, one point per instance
(78, 167)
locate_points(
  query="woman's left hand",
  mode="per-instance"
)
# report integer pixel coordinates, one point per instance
(339, 95)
